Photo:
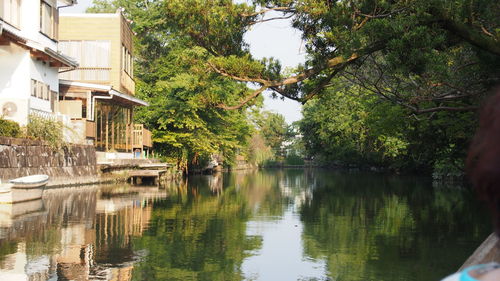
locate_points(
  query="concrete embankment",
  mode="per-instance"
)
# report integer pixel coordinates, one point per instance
(120, 170)
(72, 165)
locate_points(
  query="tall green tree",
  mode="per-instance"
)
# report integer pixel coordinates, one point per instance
(172, 76)
(436, 59)
(273, 128)
(351, 126)
(181, 112)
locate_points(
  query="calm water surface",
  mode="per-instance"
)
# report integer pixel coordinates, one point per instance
(267, 225)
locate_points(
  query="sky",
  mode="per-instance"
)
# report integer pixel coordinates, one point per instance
(269, 39)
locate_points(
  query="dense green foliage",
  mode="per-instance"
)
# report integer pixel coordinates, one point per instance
(181, 113)
(351, 126)
(371, 65)
(274, 128)
(434, 59)
(9, 128)
(425, 55)
(185, 121)
(50, 131)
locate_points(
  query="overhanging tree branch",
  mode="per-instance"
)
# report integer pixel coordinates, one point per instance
(321, 85)
(467, 33)
(244, 101)
(271, 19)
(335, 64)
(278, 9)
(446, 108)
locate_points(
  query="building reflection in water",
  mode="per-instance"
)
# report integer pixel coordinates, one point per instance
(75, 234)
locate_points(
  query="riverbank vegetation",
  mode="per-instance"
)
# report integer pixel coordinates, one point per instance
(38, 128)
(9, 128)
(392, 84)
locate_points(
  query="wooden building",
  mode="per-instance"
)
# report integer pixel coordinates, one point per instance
(99, 94)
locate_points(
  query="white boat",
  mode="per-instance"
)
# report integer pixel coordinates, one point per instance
(35, 181)
(23, 189)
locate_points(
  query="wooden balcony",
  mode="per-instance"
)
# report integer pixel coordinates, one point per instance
(141, 137)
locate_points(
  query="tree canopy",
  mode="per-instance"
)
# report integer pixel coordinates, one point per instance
(434, 60)
(425, 55)
(171, 76)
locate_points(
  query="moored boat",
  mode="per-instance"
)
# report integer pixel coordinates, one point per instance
(23, 189)
(35, 181)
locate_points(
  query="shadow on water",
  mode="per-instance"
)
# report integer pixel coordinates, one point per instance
(253, 225)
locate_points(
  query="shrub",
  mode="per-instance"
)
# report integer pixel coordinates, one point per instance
(272, 163)
(294, 159)
(448, 170)
(48, 130)
(9, 128)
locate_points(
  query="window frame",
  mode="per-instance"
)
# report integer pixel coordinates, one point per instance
(49, 27)
(34, 88)
(40, 90)
(127, 64)
(14, 8)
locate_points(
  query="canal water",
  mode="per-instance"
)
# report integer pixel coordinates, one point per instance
(260, 225)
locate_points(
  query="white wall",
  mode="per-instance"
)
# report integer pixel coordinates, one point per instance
(30, 23)
(17, 67)
(48, 75)
(15, 81)
(16, 71)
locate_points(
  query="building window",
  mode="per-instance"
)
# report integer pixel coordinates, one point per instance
(40, 90)
(10, 12)
(33, 88)
(54, 101)
(112, 123)
(48, 20)
(127, 64)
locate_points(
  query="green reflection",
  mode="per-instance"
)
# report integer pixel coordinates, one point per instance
(360, 226)
(198, 235)
(370, 227)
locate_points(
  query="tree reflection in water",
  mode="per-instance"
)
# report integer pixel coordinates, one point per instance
(334, 226)
(370, 227)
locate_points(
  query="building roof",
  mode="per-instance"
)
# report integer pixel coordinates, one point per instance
(111, 93)
(55, 58)
(4, 31)
(69, 61)
(69, 2)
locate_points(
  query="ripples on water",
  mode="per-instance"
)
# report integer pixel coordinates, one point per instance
(268, 225)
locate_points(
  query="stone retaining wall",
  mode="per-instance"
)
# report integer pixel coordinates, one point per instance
(75, 164)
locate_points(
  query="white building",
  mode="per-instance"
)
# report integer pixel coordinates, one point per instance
(29, 60)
